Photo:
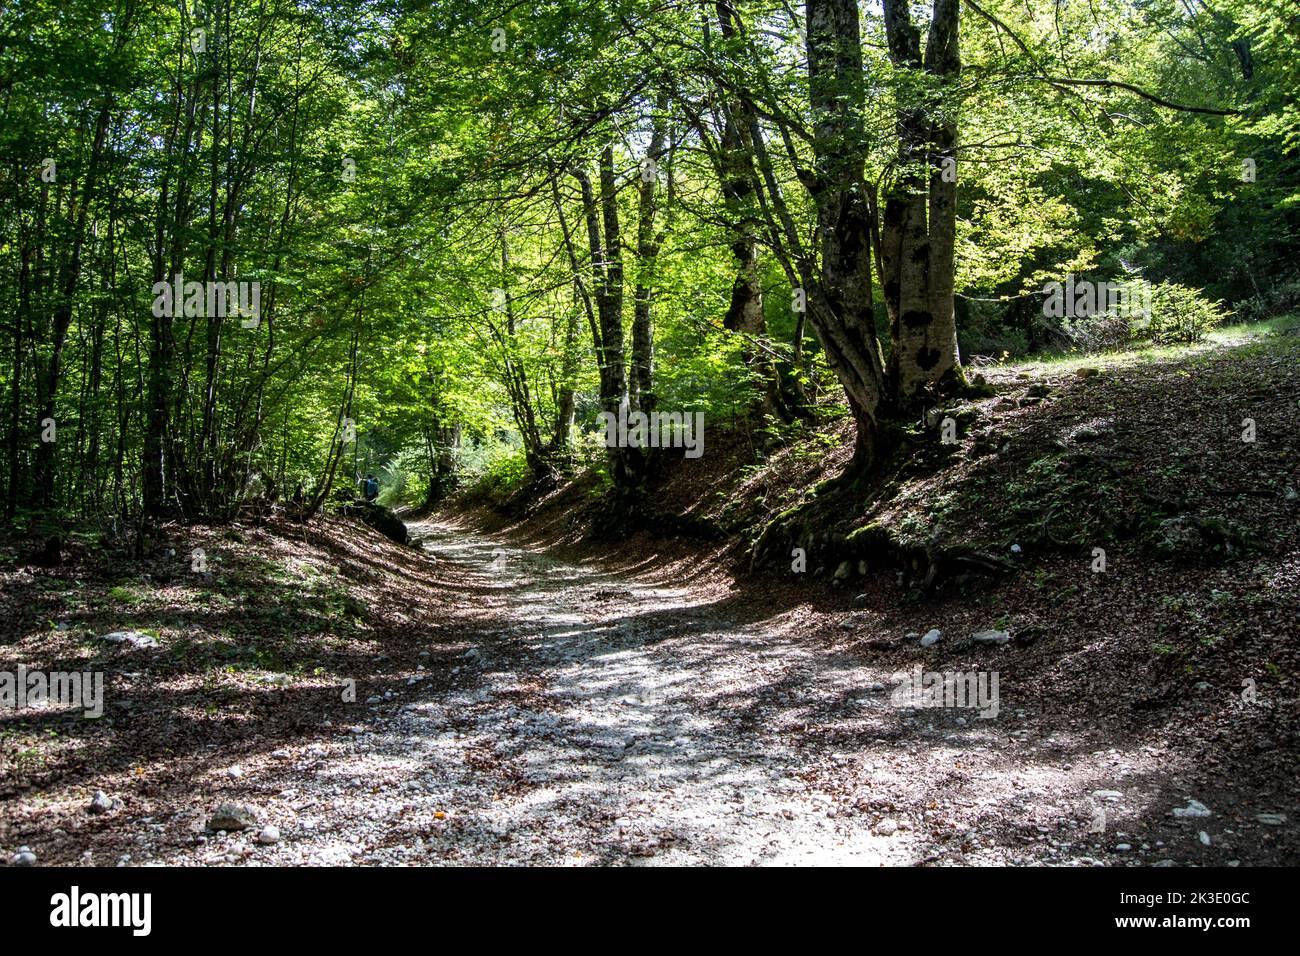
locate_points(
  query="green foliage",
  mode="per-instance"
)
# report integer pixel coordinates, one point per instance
(401, 479)
(495, 470)
(439, 298)
(1179, 315)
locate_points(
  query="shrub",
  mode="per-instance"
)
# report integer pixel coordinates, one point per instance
(401, 479)
(1179, 315)
(500, 470)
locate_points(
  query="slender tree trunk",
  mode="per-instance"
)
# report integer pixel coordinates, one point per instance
(649, 238)
(607, 270)
(441, 442)
(16, 396)
(515, 374)
(158, 467)
(338, 441)
(566, 404)
(734, 159)
(61, 321)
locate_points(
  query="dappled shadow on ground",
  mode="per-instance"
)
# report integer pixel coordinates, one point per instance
(1159, 679)
(515, 707)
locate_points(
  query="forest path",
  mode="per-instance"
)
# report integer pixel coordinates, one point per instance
(593, 717)
(599, 720)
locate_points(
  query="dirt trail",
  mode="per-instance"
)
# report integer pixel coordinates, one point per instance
(595, 718)
(516, 708)
(586, 729)
(559, 713)
(593, 725)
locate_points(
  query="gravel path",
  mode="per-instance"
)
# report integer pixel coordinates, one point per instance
(595, 718)
(588, 729)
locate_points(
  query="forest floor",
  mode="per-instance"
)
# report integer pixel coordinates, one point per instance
(518, 704)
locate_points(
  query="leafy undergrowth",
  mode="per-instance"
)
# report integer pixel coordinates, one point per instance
(251, 655)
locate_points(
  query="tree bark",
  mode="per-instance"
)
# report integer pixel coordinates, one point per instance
(839, 301)
(919, 229)
(649, 238)
(69, 279)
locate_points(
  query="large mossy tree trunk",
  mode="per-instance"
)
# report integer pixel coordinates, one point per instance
(839, 301)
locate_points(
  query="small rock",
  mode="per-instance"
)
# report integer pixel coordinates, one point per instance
(269, 835)
(860, 601)
(281, 755)
(134, 638)
(1194, 809)
(1123, 847)
(991, 637)
(100, 803)
(236, 772)
(931, 637)
(1271, 819)
(24, 857)
(887, 827)
(851, 621)
(232, 816)
(1179, 535)
(1204, 838)
(1087, 372)
(843, 571)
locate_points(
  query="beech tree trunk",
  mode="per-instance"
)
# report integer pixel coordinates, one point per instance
(649, 238)
(920, 216)
(839, 300)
